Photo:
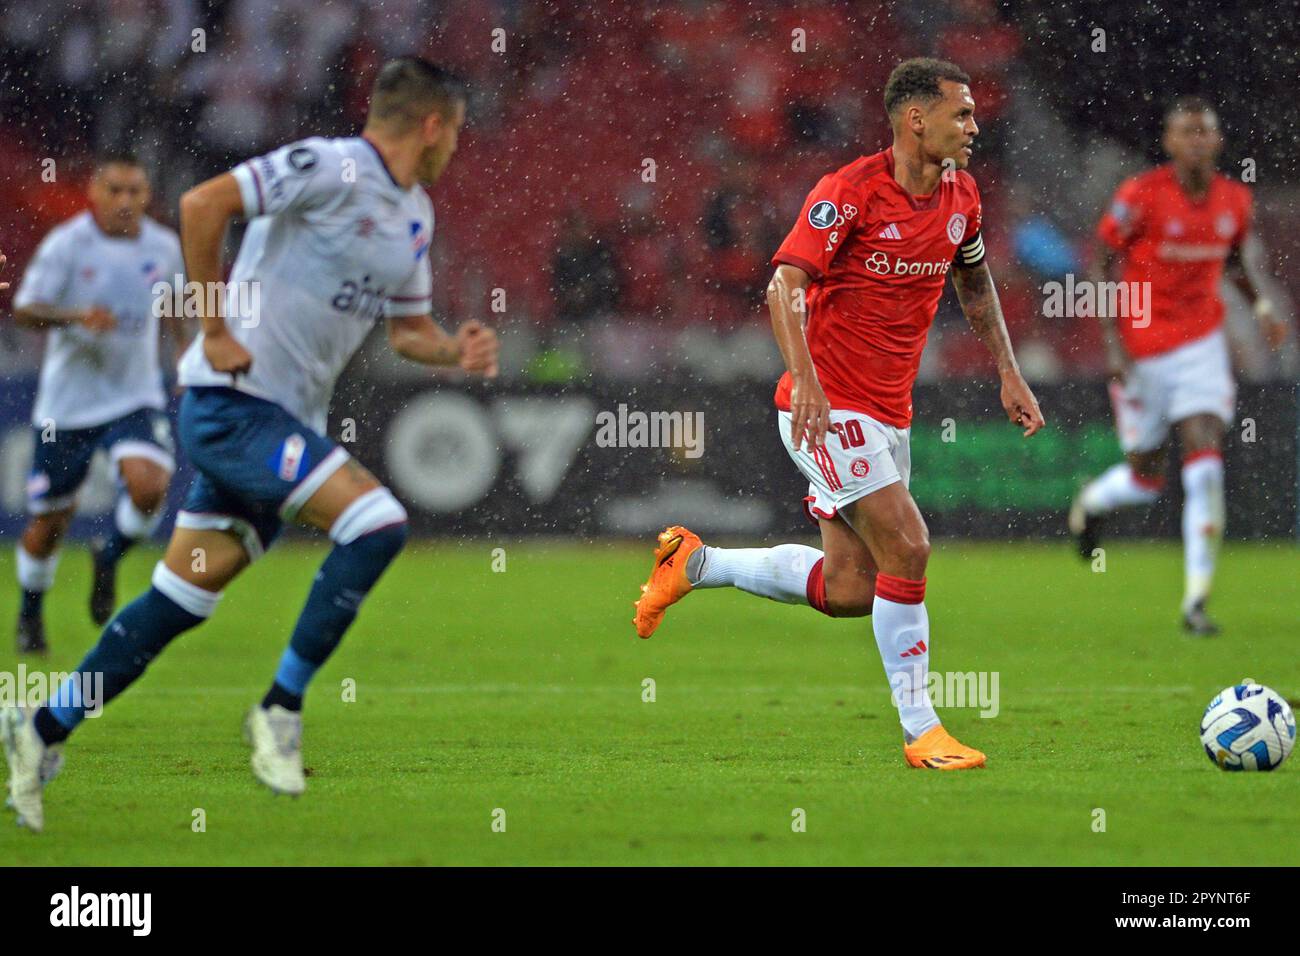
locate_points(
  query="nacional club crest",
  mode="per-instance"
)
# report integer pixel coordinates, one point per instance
(419, 239)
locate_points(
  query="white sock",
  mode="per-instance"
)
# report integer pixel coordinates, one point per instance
(35, 574)
(1203, 519)
(134, 523)
(1115, 488)
(779, 573)
(903, 638)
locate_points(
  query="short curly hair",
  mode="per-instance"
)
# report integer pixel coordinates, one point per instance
(919, 79)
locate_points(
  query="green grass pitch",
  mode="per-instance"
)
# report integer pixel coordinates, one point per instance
(522, 691)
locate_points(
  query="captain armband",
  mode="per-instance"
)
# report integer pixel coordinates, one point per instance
(970, 253)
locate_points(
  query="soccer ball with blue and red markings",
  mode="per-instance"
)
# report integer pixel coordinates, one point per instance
(1248, 727)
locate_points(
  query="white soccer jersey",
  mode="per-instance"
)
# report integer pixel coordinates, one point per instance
(89, 378)
(334, 244)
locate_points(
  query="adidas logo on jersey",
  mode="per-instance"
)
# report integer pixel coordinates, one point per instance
(890, 232)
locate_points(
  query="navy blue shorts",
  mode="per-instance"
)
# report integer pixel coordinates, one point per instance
(61, 459)
(257, 464)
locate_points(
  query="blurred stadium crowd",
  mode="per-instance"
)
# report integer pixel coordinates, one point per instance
(628, 170)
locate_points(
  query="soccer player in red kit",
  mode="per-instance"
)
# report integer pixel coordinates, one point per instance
(1175, 227)
(866, 261)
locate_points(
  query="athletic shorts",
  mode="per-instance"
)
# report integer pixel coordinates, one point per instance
(257, 464)
(1193, 379)
(861, 455)
(61, 459)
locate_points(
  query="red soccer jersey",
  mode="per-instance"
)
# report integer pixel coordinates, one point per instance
(878, 258)
(1179, 246)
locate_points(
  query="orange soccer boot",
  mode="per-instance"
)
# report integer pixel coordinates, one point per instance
(667, 584)
(936, 749)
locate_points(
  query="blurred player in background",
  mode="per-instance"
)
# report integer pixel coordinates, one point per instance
(867, 260)
(91, 284)
(1174, 227)
(339, 238)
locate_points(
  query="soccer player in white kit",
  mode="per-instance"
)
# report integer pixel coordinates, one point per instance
(339, 238)
(92, 285)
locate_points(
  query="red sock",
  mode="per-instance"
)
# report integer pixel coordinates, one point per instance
(899, 590)
(817, 587)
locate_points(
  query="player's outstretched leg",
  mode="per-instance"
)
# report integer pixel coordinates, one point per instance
(137, 515)
(789, 573)
(888, 521)
(1137, 481)
(368, 528)
(37, 557)
(1203, 516)
(178, 599)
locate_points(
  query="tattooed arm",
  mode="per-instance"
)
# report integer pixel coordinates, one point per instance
(979, 300)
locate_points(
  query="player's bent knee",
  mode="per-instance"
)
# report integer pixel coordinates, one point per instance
(186, 595)
(912, 554)
(148, 496)
(146, 483)
(376, 517)
(1148, 468)
(850, 594)
(44, 532)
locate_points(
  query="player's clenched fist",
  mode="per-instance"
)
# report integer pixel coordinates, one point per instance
(810, 414)
(225, 354)
(1020, 404)
(1275, 327)
(478, 349)
(98, 319)
(3, 260)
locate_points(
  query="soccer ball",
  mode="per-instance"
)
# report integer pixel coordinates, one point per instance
(1248, 727)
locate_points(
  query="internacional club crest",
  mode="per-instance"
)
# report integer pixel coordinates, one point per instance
(956, 228)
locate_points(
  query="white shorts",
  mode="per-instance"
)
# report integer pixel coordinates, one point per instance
(861, 455)
(1193, 379)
